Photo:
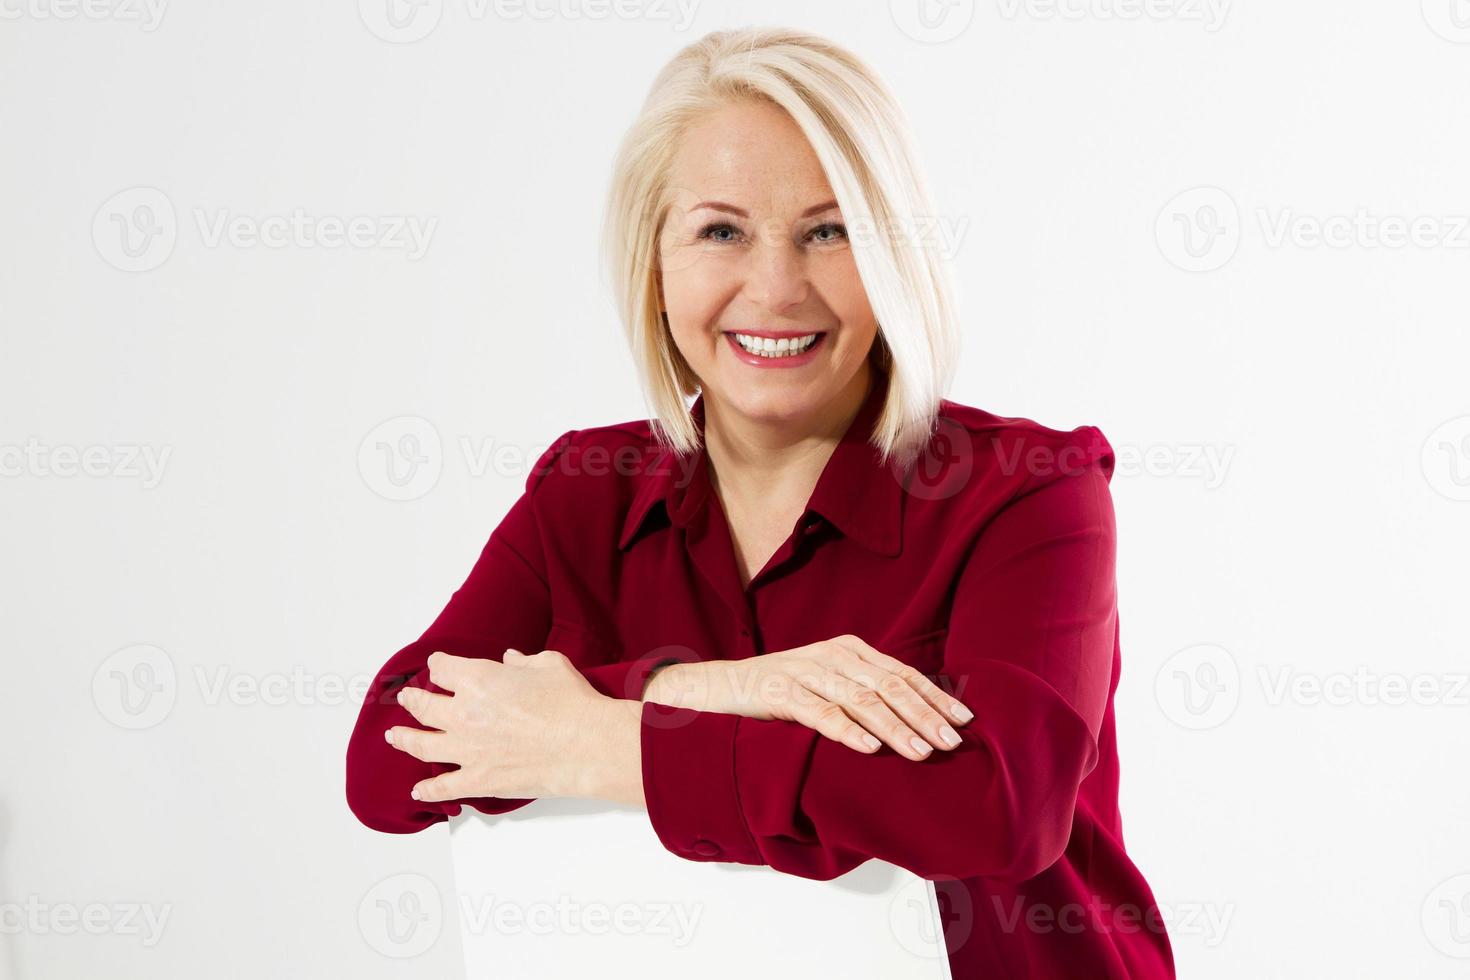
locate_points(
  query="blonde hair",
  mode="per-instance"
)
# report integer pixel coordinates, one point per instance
(862, 140)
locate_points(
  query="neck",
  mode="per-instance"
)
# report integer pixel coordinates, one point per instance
(754, 462)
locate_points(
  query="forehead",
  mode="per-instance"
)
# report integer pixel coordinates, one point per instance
(752, 155)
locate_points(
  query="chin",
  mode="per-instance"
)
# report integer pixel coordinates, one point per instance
(775, 405)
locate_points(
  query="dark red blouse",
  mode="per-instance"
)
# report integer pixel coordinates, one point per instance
(990, 568)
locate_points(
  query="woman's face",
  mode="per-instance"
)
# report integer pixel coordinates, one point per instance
(754, 244)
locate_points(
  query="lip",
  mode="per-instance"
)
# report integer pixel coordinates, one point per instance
(774, 363)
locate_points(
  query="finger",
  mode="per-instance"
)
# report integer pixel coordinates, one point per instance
(896, 689)
(542, 658)
(422, 745)
(445, 669)
(426, 707)
(828, 719)
(932, 693)
(866, 707)
(445, 786)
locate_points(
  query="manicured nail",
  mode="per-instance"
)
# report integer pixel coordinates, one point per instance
(920, 746)
(389, 736)
(950, 736)
(414, 793)
(871, 742)
(962, 713)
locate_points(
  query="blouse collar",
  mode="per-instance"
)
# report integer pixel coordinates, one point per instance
(857, 493)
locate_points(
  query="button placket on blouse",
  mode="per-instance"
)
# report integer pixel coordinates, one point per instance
(805, 526)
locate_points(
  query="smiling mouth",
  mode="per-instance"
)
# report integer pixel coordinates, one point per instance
(774, 348)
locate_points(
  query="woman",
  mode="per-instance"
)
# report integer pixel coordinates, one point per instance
(824, 614)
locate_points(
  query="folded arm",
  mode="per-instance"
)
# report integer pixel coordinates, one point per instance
(505, 602)
(1030, 649)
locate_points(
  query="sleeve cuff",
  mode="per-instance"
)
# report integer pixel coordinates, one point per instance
(689, 784)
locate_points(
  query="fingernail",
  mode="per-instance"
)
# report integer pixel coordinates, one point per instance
(871, 742)
(950, 736)
(963, 713)
(389, 736)
(920, 746)
(414, 793)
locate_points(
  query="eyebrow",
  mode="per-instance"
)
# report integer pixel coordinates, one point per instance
(732, 209)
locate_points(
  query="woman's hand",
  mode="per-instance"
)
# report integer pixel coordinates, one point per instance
(522, 729)
(842, 688)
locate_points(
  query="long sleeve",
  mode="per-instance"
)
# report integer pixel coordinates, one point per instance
(1030, 647)
(504, 602)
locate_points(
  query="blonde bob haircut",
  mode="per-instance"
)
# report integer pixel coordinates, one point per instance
(863, 142)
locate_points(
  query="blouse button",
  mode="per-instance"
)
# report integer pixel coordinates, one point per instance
(705, 848)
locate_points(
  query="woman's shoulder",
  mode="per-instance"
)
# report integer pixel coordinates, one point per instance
(596, 458)
(1017, 448)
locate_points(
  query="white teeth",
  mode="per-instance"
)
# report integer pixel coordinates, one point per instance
(766, 347)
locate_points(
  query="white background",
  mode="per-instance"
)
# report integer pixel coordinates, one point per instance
(1181, 222)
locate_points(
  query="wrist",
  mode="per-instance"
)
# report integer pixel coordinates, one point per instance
(662, 683)
(702, 685)
(610, 765)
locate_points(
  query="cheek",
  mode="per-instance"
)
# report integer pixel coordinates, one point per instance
(694, 299)
(696, 345)
(843, 292)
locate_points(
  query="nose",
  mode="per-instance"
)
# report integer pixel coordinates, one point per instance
(777, 277)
